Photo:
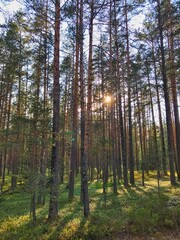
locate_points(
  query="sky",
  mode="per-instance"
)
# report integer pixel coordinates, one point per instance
(13, 6)
(8, 9)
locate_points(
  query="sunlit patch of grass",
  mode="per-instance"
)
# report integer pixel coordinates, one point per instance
(70, 229)
(137, 175)
(154, 183)
(12, 223)
(174, 190)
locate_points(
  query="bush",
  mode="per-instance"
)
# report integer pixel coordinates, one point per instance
(148, 214)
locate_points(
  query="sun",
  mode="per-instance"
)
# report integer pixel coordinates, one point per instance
(108, 99)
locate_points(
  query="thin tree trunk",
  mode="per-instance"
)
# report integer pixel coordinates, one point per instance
(121, 123)
(104, 165)
(140, 135)
(90, 80)
(44, 147)
(73, 160)
(112, 106)
(131, 153)
(157, 160)
(163, 148)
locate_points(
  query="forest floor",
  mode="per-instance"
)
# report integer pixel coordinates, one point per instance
(166, 235)
(135, 213)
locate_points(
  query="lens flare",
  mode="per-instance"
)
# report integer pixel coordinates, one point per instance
(107, 99)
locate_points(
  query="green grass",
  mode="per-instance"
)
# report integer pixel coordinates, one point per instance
(136, 210)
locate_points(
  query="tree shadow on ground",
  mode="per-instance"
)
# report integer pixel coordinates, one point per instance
(14, 205)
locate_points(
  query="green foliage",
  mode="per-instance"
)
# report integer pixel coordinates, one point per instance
(148, 213)
(136, 210)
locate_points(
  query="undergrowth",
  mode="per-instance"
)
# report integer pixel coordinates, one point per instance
(134, 210)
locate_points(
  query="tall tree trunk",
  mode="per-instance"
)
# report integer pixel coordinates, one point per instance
(112, 103)
(89, 101)
(172, 76)
(44, 147)
(84, 133)
(8, 112)
(104, 162)
(121, 122)
(73, 160)
(166, 97)
(157, 160)
(162, 137)
(131, 152)
(113, 143)
(63, 145)
(54, 187)
(140, 134)
(19, 103)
